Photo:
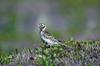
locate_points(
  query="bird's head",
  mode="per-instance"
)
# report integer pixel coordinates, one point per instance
(42, 27)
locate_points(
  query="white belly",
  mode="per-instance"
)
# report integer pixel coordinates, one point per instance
(50, 42)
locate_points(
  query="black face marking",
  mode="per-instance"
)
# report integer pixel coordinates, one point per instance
(41, 26)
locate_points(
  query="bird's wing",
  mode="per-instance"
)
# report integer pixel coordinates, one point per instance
(47, 33)
(49, 36)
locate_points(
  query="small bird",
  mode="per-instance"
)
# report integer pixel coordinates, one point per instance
(49, 40)
(46, 37)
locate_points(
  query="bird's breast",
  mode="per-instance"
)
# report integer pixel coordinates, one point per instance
(49, 41)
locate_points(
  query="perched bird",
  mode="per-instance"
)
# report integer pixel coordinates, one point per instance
(48, 39)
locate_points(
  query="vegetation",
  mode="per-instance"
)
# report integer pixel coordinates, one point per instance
(83, 53)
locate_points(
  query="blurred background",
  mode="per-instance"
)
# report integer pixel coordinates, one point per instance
(79, 19)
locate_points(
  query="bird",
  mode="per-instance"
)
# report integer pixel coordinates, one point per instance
(46, 37)
(49, 39)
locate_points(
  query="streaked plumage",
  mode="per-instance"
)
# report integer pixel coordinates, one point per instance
(46, 37)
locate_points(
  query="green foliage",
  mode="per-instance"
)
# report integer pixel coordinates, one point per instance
(47, 56)
(5, 58)
(82, 52)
